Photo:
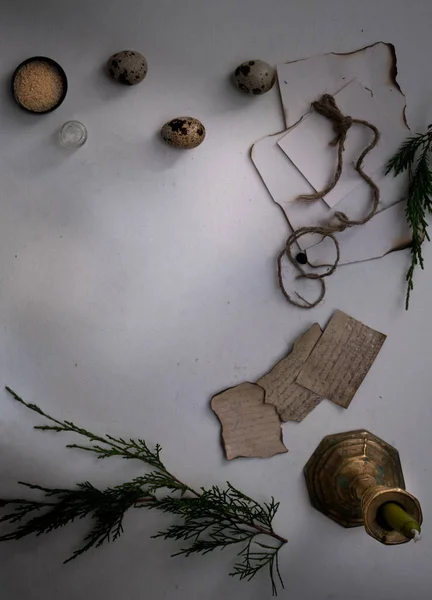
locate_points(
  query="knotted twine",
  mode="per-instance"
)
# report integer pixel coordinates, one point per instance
(327, 107)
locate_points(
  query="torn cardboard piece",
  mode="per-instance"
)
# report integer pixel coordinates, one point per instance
(250, 428)
(292, 401)
(320, 365)
(341, 359)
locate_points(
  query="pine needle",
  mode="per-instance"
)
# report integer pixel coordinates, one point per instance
(414, 156)
(208, 519)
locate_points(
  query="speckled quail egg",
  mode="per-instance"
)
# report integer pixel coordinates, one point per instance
(183, 132)
(254, 77)
(128, 67)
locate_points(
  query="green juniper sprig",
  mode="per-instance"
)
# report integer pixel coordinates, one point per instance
(209, 519)
(414, 156)
(107, 509)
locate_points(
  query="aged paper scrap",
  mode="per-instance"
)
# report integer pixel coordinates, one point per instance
(305, 80)
(375, 66)
(307, 144)
(250, 428)
(341, 359)
(386, 232)
(285, 182)
(292, 401)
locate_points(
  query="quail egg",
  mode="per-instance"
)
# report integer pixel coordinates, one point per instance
(254, 77)
(128, 67)
(183, 132)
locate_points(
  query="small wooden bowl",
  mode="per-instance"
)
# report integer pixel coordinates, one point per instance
(60, 71)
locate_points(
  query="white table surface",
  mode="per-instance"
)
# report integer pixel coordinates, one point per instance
(137, 281)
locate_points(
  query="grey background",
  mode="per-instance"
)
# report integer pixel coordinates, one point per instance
(137, 281)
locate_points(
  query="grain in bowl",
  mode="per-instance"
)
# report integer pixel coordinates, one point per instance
(39, 85)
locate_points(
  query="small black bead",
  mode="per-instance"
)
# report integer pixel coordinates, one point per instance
(301, 258)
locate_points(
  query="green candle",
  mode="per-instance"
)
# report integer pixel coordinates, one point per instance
(399, 520)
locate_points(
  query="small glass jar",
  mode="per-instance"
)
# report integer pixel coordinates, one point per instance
(73, 134)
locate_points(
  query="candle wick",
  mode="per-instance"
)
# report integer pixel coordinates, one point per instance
(417, 536)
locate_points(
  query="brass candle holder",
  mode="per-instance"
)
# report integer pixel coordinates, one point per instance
(351, 475)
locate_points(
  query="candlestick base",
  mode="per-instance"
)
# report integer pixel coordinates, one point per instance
(351, 475)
